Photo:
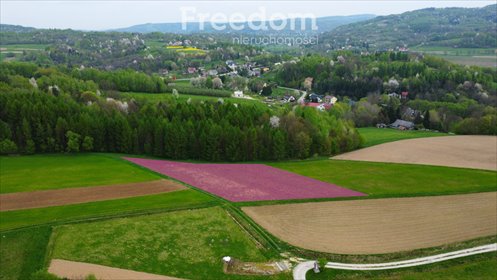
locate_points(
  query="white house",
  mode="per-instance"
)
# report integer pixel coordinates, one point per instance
(238, 93)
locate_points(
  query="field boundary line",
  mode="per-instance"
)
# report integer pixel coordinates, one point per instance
(259, 244)
(114, 216)
(301, 269)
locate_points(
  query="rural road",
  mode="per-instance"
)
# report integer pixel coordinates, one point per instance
(300, 270)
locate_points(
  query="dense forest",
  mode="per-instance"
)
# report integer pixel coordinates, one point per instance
(61, 109)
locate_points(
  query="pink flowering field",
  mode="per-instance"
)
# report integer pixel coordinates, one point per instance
(245, 182)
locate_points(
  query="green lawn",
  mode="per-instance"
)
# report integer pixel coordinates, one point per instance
(24, 47)
(23, 252)
(480, 267)
(396, 180)
(156, 97)
(484, 57)
(141, 204)
(42, 172)
(374, 136)
(187, 244)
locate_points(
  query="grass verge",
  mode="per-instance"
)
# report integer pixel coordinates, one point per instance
(474, 267)
(184, 199)
(22, 252)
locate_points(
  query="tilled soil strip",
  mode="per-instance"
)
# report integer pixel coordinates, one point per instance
(466, 151)
(38, 199)
(78, 270)
(379, 226)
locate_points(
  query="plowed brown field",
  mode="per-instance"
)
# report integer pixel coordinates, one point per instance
(473, 151)
(79, 270)
(380, 225)
(37, 199)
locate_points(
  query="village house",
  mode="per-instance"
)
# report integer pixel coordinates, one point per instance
(402, 125)
(288, 98)
(238, 94)
(192, 70)
(319, 106)
(316, 98)
(212, 72)
(330, 99)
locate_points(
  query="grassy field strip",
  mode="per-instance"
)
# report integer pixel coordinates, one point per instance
(300, 270)
(103, 210)
(66, 171)
(374, 136)
(394, 180)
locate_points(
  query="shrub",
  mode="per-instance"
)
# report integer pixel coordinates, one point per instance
(7, 147)
(72, 142)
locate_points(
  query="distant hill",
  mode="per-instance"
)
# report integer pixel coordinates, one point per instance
(15, 28)
(324, 24)
(448, 27)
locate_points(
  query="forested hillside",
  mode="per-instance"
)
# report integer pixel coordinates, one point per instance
(449, 27)
(55, 110)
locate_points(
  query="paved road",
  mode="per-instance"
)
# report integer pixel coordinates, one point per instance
(300, 270)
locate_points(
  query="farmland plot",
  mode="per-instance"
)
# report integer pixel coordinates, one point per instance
(246, 182)
(474, 151)
(377, 226)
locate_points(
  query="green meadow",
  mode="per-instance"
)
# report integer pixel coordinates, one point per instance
(392, 179)
(375, 136)
(58, 171)
(188, 244)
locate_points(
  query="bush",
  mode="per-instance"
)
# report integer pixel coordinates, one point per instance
(87, 143)
(7, 147)
(30, 147)
(73, 142)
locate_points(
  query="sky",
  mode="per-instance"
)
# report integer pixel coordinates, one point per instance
(109, 14)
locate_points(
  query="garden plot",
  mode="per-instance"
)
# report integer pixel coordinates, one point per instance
(246, 182)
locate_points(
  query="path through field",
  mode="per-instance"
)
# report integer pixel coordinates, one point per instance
(37, 199)
(300, 270)
(478, 152)
(79, 270)
(377, 226)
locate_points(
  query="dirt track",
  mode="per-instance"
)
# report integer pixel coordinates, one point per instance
(37, 199)
(380, 225)
(478, 152)
(78, 270)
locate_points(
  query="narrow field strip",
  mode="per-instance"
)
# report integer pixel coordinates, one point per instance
(39, 199)
(80, 270)
(474, 151)
(246, 182)
(379, 226)
(300, 270)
